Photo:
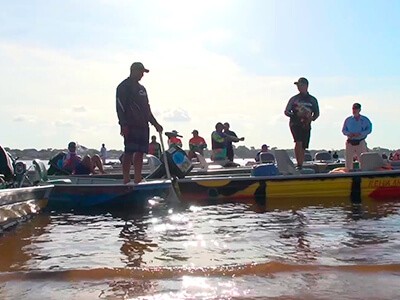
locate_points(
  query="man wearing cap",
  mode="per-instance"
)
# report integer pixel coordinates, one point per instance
(356, 128)
(229, 146)
(174, 138)
(302, 109)
(134, 115)
(196, 144)
(264, 148)
(219, 140)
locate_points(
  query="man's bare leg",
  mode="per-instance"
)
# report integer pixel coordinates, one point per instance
(137, 165)
(126, 167)
(299, 153)
(97, 162)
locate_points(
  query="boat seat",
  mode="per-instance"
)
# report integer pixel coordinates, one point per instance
(6, 165)
(202, 161)
(370, 161)
(40, 169)
(307, 156)
(267, 157)
(286, 166)
(284, 163)
(322, 156)
(153, 162)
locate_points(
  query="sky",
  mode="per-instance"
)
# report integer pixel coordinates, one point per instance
(209, 61)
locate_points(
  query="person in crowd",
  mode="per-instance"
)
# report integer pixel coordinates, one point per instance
(335, 155)
(103, 153)
(75, 164)
(356, 128)
(396, 155)
(264, 148)
(174, 138)
(134, 115)
(155, 147)
(302, 109)
(229, 147)
(219, 140)
(196, 144)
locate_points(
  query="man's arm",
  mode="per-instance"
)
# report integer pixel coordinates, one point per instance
(154, 122)
(289, 108)
(367, 129)
(121, 106)
(315, 110)
(345, 129)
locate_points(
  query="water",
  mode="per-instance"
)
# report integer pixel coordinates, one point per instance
(213, 252)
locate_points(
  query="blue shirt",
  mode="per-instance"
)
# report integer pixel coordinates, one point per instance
(362, 126)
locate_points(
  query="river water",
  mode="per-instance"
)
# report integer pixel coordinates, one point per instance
(206, 252)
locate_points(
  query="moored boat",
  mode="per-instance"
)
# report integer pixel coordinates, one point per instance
(105, 195)
(351, 187)
(17, 204)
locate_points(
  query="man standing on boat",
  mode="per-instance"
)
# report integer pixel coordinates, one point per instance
(103, 153)
(134, 115)
(229, 147)
(155, 147)
(302, 109)
(356, 128)
(219, 140)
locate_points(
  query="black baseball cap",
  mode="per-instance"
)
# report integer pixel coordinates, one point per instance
(139, 66)
(302, 80)
(357, 105)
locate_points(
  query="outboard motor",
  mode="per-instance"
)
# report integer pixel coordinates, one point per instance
(6, 165)
(55, 165)
(20, 172)
(178, 161)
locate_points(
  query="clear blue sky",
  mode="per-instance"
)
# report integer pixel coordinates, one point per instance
(209, 61)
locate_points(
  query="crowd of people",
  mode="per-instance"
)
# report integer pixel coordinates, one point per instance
(135, 115)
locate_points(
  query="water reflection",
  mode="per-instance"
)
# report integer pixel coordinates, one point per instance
(16, 244)
(196, 252)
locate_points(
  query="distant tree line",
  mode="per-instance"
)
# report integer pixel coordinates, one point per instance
(240, 152)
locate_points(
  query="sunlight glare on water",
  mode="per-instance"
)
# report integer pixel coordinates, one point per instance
(211, 252)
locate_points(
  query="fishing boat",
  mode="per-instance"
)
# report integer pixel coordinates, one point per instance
(282, 183)
(104, 194)
(349, 187)
(18, 203)
(275, 180)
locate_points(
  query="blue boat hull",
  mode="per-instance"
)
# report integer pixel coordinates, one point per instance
(106, 197)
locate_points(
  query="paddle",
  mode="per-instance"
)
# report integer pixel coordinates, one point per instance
(173, 197)
(165, 159)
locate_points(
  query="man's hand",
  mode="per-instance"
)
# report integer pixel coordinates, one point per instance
(158, 127)
(124, 131)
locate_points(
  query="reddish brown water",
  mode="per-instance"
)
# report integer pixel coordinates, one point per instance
(214, 252)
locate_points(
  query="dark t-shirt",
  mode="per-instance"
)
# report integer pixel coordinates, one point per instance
(231, 133)
(301, 104)
(132, 105)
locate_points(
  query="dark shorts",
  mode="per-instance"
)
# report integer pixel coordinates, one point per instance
(137, 140)
(301, 134)
(81, 169)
